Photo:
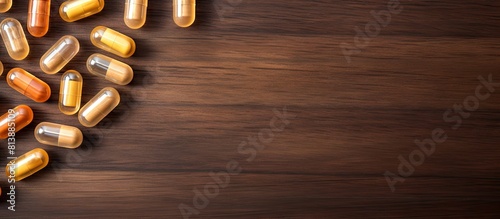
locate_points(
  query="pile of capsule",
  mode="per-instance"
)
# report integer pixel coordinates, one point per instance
(56, 58)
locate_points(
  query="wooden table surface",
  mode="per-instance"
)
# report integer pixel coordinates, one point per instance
(278, 109)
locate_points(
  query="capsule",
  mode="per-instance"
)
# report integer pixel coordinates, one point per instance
(38, 17)
(5, 5)
(112, 41)
(135, 13)
(27, 164)
(14, 39)
(59, 54)
(184, 12)
(18, 118)
(70, 93)
(1, 66)
(74, 10)
(28, 85)
(99, 107)
(110, 69)
(58, 135)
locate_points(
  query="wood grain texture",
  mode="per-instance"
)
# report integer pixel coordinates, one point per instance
(199, 92)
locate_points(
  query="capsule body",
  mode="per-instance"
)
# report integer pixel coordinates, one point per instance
(27, 164)
(5, 5)
(99, 107)
(14, 39)
(17, 118)
(58, 135)
(38, 17)
(74, 10)
(112, 41)
(184, 12)
(110, 69)
(135, 13)
(28, 85)
(59, 54)
(70, 93)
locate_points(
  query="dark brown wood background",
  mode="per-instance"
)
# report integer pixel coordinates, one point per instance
(200, 92)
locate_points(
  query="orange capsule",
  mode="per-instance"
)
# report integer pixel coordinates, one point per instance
(28, 85)
(184, 12)
(38, 17)
(15, 119)
(5, 5)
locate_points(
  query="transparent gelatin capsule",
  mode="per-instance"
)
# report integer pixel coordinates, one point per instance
(59, 54)
(38, 17)
(135, 13)
(28, 85)
(184, 12)
(17, 118)
(110, 69)
(27, 164)
(14, 39)
(70, 93)
(99, 107)
(5, 5)
(58, 135)
(74, 10)
(112, 41)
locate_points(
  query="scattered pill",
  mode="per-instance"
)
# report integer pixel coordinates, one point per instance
(5, 5)
(28, 85)
(27, 164)
(184, 12)
(58, 135)
(110, 69)
(16, 119)
(14, 39)
(74, 10)
(99, 107)
(38, 17)
(112, 41)
(135, 13)
(70, 93)
(59, 54)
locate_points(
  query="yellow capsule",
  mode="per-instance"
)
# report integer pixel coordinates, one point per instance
(58, 135)
(38, 17)
(184, 12)
(70, 93)
(110, 69)
(5, 5)
(135, 13)
(59, 54)
(28, 85)
(14, 39)
(27, 164)
(74, 10)
(112, 41)
(99, 107)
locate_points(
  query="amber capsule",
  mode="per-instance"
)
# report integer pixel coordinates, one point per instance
(74, 10)
(112, 41)
(28, 85)
(14, 39)
(110, 69)
(58, 135)
(135, 13)
(5, 5)
(19, 117)
(99, 107)
(70, 93)
(27, 164)
(184, 12)
(38, 17)
(59, 54)
(1, 67)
